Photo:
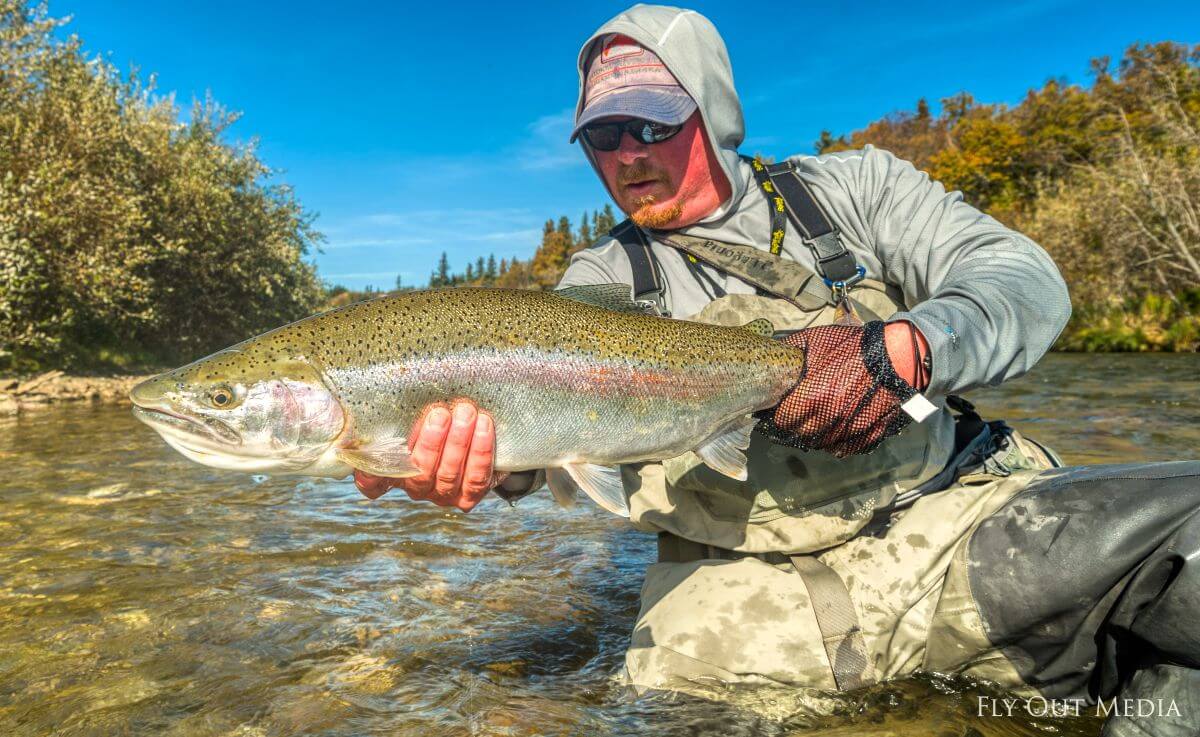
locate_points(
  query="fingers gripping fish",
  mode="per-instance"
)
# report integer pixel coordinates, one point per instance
(577, 382)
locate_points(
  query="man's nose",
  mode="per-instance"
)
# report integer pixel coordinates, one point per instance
(630, 149)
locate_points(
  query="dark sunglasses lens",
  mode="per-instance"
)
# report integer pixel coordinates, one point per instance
(648, 132)
(603, 136)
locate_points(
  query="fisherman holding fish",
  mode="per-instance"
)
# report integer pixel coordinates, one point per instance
(872, 525)
(955, 545)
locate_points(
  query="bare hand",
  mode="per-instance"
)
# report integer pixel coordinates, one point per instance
(454, 449)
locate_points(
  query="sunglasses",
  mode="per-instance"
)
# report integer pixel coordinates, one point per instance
(607, 136)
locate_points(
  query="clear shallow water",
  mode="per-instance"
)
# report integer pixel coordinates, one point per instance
(141, 593)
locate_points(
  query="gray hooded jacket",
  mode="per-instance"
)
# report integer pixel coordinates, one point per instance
(989, 300)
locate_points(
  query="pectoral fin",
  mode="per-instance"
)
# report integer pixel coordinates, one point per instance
(724, 452)
(388, 457)
(601, 483)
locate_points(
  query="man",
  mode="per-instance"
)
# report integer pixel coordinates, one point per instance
(862, 546)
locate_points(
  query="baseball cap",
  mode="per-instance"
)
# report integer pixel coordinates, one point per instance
(626, 78)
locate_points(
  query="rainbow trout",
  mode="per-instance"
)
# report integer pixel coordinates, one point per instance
(577, 381)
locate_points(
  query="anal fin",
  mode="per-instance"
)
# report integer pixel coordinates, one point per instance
(723, 453)
(388, 457)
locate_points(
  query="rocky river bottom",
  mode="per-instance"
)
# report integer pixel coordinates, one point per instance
(142, 594)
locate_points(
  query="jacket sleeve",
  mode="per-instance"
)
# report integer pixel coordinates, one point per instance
(989, 300)
(602, 263)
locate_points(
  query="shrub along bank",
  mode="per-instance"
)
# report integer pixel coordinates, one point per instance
(127, 236)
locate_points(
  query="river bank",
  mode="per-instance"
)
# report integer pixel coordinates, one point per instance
(24, 394)
(30, 393)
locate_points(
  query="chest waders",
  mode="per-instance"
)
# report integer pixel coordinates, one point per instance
(794, 502)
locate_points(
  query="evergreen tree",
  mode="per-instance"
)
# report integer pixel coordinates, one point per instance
(470, 274)
(606, 221)
(489, 271)
(441, 277)
(585, 233)
(551, 258)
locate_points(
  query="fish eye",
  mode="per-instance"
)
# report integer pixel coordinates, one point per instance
(221, 397)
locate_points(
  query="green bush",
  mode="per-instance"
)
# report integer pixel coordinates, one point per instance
(126, 235)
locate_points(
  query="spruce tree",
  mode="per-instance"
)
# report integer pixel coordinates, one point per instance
(442, 276)
(585, 233)
(606, 221)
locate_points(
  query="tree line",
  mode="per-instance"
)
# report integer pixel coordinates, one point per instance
(130, 237)
(560, 239)
(1106, 178)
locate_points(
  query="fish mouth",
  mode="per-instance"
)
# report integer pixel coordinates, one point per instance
(201, 433)
(211, 442)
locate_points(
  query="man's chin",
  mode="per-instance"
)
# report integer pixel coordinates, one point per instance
(656, 216)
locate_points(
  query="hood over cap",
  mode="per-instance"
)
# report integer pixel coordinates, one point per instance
(693, 51)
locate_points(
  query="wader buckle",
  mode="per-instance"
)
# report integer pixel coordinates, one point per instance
(652, 306)
(839, 288)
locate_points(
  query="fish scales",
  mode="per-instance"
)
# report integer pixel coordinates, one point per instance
(565, 382)
(533, 362)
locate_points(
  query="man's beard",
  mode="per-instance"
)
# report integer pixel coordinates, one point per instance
(646, 211)
(648, 214)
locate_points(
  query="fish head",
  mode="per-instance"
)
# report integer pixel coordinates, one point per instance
(240, 410)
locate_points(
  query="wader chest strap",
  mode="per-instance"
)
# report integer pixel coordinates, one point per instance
(833, 260)
(647, 284)
(838, 622)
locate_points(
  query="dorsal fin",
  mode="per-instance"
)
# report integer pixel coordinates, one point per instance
(762, 326)
(609, 296)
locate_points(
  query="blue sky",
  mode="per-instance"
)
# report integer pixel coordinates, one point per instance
(443, 126)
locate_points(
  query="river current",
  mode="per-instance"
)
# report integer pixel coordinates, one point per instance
(143, 594)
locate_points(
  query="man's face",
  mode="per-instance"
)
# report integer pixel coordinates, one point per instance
(665, 185)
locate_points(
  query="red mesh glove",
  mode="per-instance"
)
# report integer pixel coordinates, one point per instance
(849, 399)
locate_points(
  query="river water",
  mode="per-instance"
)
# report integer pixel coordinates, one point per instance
(143, 594)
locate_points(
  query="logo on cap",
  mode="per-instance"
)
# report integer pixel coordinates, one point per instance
(619, 47)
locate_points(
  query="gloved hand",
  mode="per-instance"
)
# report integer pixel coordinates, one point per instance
(454, 449)
(849, 399)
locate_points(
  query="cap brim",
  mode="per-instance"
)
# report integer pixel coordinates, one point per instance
(666, 105)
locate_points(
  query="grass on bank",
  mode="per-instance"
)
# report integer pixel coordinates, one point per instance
(1153, 323)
